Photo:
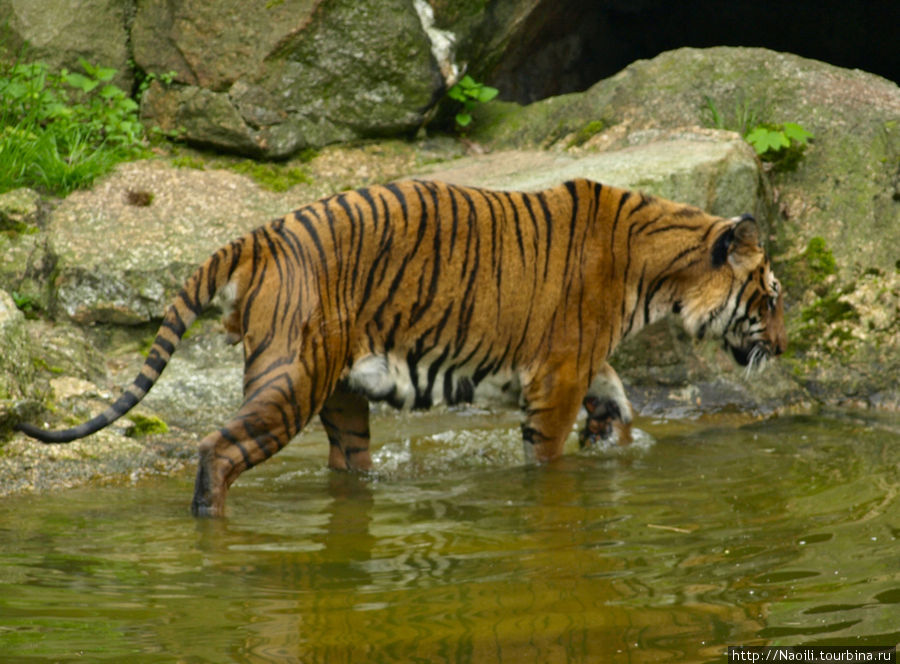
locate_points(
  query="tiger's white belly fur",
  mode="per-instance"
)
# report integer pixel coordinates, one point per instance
(393, 379)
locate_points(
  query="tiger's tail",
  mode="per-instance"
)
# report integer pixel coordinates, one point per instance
(194, 296)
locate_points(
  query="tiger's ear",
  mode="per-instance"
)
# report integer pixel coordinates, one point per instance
(747, 232)
(736, 243)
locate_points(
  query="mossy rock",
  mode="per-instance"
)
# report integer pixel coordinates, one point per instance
(145, 425)
(22, 390)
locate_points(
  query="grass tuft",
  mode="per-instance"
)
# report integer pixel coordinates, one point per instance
(59, 131)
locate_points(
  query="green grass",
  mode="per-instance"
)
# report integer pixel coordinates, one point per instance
(60, 131)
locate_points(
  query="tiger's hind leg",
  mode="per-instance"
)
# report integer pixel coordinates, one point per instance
(609, 412)
(345, 416)
(264, 424)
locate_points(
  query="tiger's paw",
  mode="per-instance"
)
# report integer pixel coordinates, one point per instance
(605, 423)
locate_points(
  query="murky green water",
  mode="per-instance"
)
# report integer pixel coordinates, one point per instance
(702, 535)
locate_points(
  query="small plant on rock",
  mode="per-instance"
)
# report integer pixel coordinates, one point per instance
(782, 145)
(470, 93)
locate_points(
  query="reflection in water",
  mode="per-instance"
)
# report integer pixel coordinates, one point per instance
(780, 532)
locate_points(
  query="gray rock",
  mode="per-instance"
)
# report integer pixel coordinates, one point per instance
(22, 392)
(322, 75)
(845, 188)
(25, 263)
(19, 210)
(714, 170)
(120, 263)
(58, 33)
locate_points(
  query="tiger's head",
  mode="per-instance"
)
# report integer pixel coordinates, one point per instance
(735, 296)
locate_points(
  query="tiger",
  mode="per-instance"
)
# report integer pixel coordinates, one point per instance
(420, 292)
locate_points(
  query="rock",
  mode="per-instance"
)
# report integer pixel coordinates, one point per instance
(846, 186)
(121, 263)
(19, 210)
(271, 79)
(25, 263)
(22, 391)
(483, 30)
(59, 34)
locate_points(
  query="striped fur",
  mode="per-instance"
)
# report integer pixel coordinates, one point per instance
(417, 293)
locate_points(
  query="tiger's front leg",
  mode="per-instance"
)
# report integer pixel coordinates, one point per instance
(609, 413)
(553, 398)
(345, 416)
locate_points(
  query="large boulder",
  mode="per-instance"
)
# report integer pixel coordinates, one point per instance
(271, 79)
(121, 263)
(714, 170)
(26, 264)
(847, 183)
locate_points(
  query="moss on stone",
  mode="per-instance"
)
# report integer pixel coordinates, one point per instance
(819, 259)
(584, 134)
(273, 177)
(813, 269)
(145, 425)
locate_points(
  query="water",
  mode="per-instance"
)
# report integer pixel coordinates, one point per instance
(704, 534)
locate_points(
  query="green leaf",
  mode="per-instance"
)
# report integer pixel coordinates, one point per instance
(105, 74)
(763, 140)
(456, 93)
(81, 82)
(467, 82)
(88, 67)
(129, 105)
(463, 119)
(486, 93)
(112, 92)
(795, 132)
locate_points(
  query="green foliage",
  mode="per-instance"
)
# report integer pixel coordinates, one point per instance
(145, 425)
(824, 325)
(469, 92)
(810, 270)
(25, 304)
(780, 144)
(188, 162)
(272, 176)
(59, 131)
